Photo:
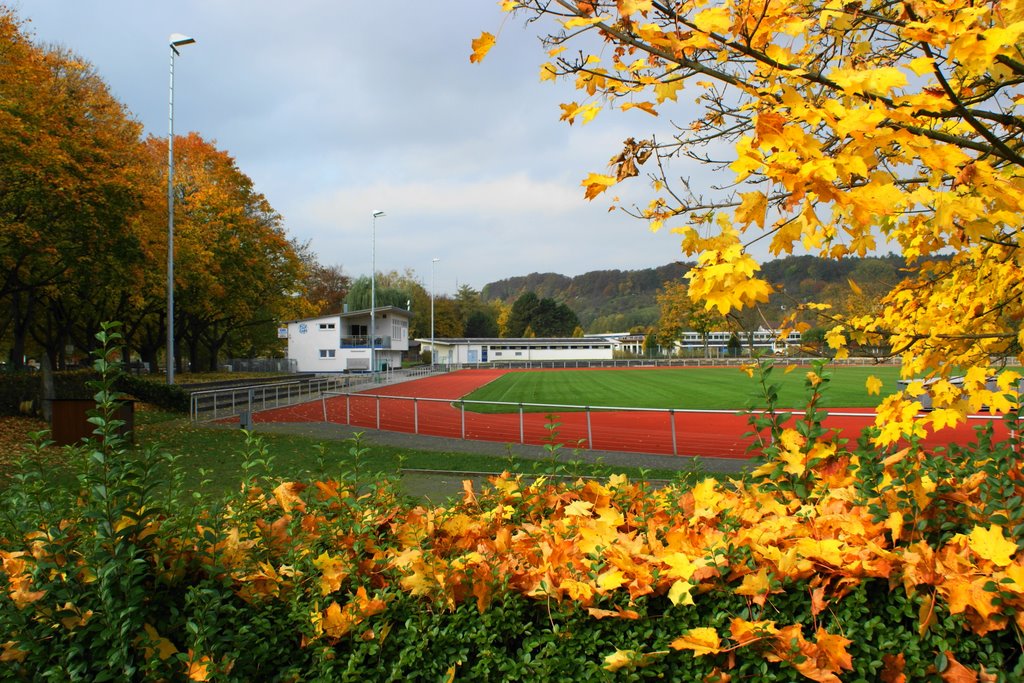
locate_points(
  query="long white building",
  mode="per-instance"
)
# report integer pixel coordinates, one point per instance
(459, 350)
(718, 341)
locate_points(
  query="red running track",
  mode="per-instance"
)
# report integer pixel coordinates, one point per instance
(426, 406)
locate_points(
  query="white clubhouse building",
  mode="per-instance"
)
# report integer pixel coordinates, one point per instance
(341, 342)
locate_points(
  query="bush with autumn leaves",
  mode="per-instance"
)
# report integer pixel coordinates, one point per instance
(830, 562)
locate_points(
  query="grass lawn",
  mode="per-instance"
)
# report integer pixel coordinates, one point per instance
(689, 388)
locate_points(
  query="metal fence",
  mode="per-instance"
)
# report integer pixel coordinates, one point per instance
(261, 365)
(667, 362)
(667, 431)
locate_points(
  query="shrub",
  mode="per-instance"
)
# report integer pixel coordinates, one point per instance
(18, 387)
(167, 396)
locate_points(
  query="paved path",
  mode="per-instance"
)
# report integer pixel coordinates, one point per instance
(322, 431)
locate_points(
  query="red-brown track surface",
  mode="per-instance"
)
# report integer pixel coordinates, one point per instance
(426, 406)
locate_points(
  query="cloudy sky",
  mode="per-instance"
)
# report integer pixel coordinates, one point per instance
(335, 108)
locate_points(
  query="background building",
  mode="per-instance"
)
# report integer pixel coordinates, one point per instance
(458, 350)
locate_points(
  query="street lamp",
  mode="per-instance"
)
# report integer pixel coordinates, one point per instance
(175, 40)
(377, 213)
(433, 350)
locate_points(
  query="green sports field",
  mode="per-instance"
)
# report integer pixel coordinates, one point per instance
(681, 388)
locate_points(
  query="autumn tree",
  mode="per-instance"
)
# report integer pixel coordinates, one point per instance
(481, 324)
(543, 317)
(447, 321)
(363, 292)
(324, 288)
(679, 314)
(235, 267)
(851, 125)
(521, 314)
(69, 165)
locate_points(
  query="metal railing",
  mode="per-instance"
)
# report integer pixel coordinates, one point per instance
(215, 404)
(363, 342)
(227, 402)
(668, 431)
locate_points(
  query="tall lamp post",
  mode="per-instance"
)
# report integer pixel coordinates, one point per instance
(175, 40)
(433, 350)
(377, 213)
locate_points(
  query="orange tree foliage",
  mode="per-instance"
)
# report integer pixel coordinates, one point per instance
(69, 173)
(840, 127)
(83, 216)
(826, 565)
(234, 264)
(678, 312)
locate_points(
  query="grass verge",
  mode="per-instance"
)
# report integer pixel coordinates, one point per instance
(212, 458)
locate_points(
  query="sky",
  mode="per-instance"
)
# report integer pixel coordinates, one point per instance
(336, 109)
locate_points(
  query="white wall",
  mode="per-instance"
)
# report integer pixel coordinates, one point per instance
(308, 338)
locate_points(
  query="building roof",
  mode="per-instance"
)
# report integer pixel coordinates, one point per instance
(378, 309)
(350, 314)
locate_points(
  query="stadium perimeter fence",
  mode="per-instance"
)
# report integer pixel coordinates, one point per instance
(664, 431)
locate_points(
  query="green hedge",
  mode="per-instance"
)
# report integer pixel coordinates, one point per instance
(18, 387)
(167, 396)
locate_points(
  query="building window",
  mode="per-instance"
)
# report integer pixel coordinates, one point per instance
(326, 353)
(326, 326)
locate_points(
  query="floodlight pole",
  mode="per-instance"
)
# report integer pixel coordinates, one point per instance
(433, 349)
(373, 294)
(175, 41)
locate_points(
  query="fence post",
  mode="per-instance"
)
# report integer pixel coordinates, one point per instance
(462, 410)
(250, 401)
(590, 434)
(522, 434)
(672, 421)
(415, 416)
(348, 409)
(323, 402)
(378, 411)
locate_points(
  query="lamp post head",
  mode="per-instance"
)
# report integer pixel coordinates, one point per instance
(176, 40)
(377, 213)
(434, 260)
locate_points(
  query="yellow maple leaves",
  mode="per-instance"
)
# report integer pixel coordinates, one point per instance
(853, 130)
(481, 46)
(990, 544)
(336, 621)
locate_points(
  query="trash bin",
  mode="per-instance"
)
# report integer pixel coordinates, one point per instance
(69, 420)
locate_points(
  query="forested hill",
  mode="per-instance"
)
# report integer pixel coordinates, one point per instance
(604, 300)
(617, 300)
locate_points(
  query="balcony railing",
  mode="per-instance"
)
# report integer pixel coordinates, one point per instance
(363, 342)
